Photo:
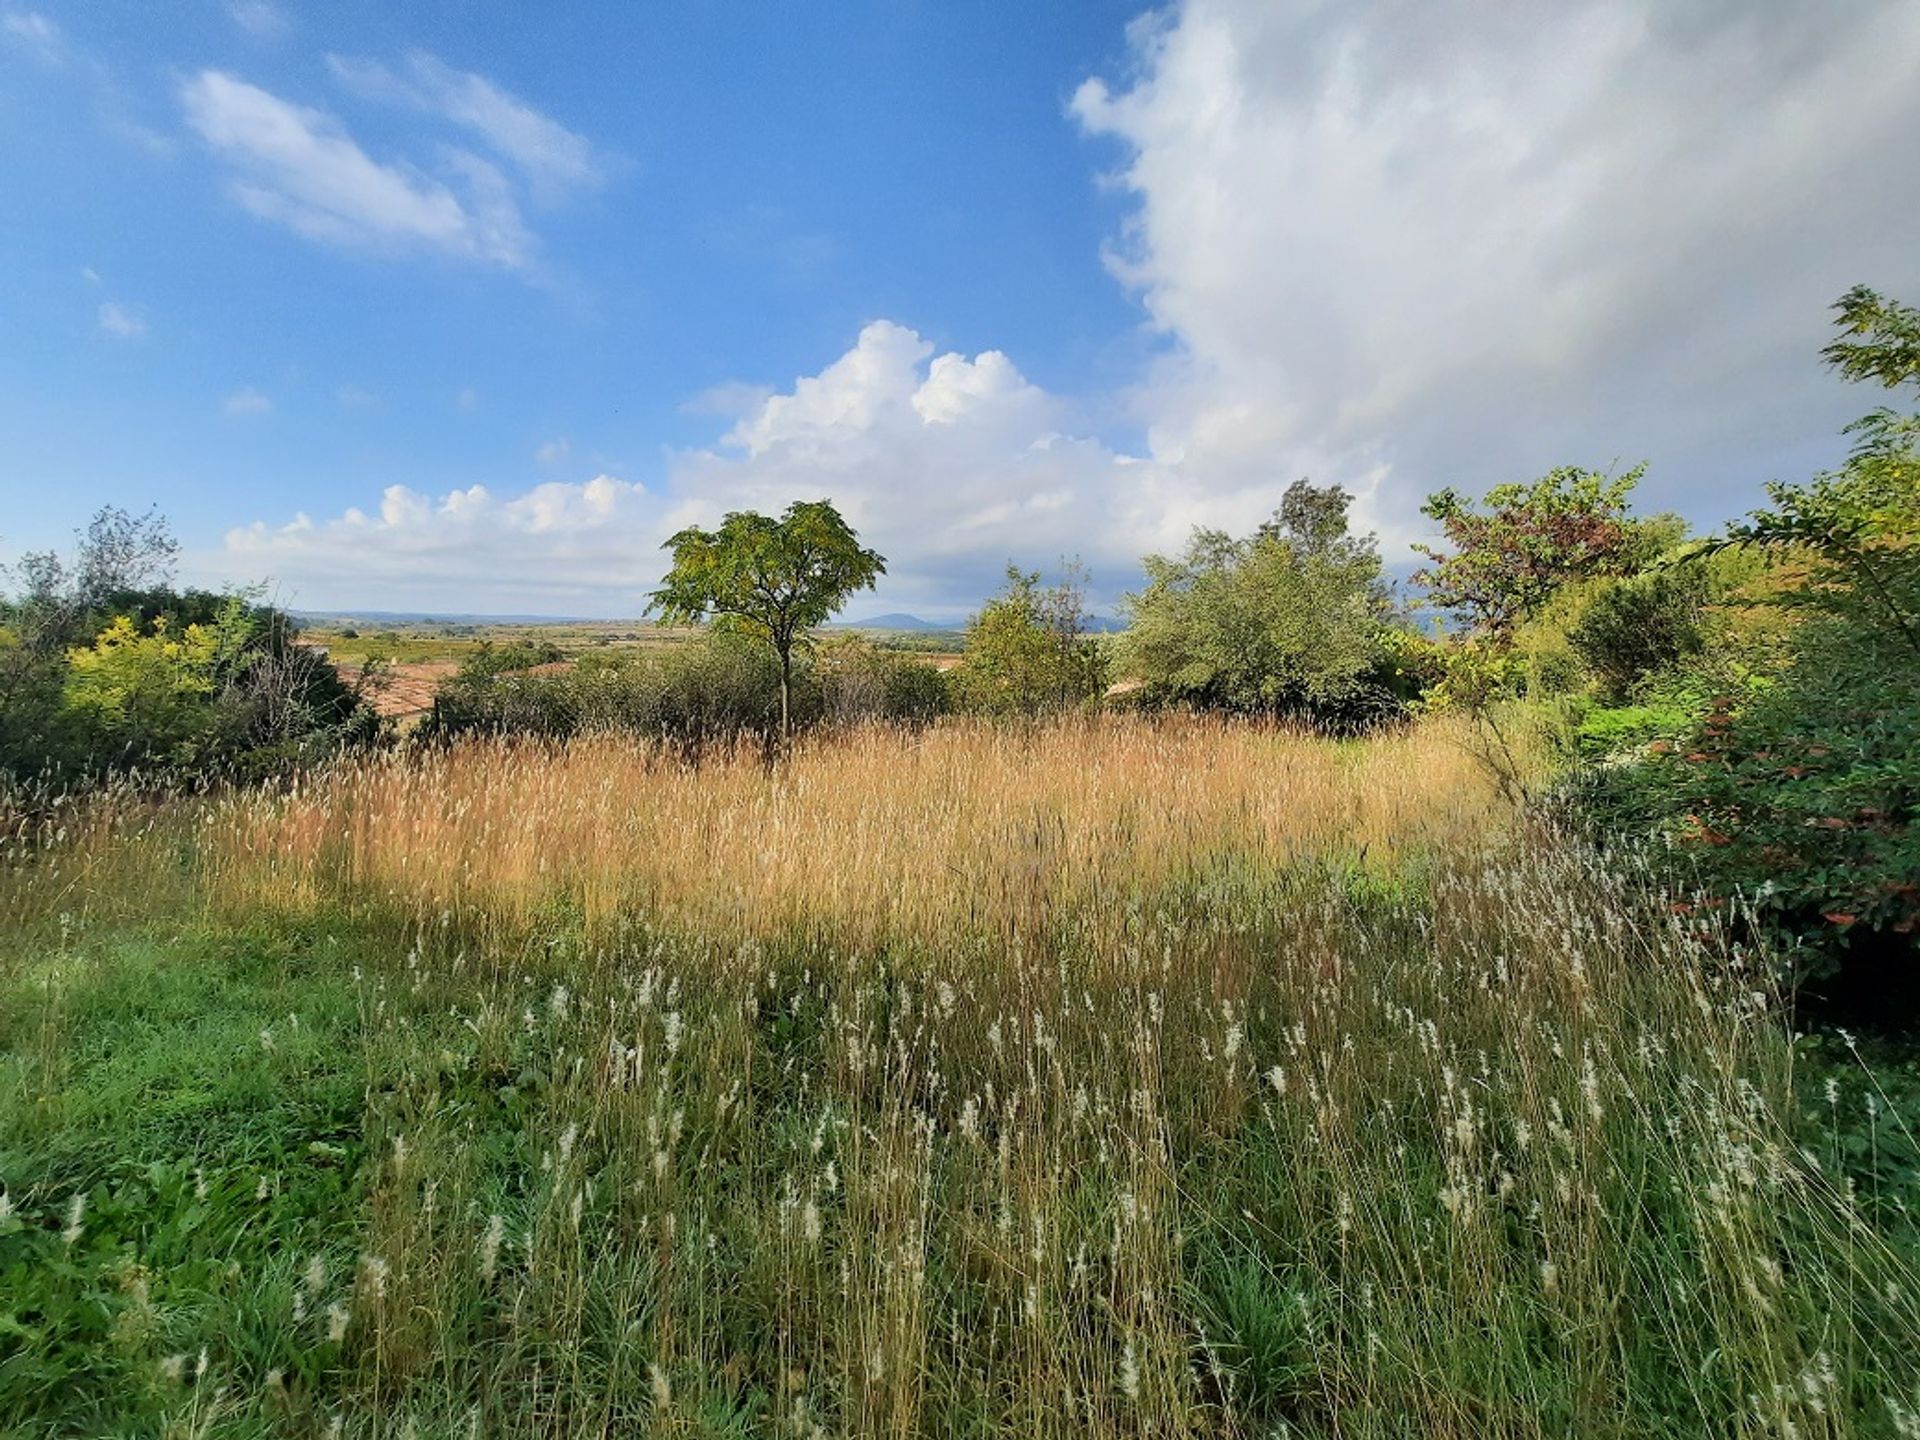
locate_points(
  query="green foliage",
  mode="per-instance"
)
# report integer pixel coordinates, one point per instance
(772, 579)
(1800, 801)
(1795, 796)
(1607, 730)
(489, 658)
(1514, 555)
(1291, 620)
(862, 681)
(171, 1175)
(103, 667)
(146, 694)
(1880, 339)
(1027, 652)
(1640, 625)
(716, 689)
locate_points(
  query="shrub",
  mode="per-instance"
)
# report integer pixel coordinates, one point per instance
(1027, 651)
(1291, 620)
(718, 687)
(491, 659)
(1796, 799)
(860, 681)
(1797, 803)
(103, 669)
(1641, 624)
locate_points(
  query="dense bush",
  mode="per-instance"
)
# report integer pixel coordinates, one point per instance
(1792, 789)
(1641, 625)
(719, 687)
(860, 681)
(1292, 620)
(497, 659)
(1797, 803)
(1028, 651)
(103, 667)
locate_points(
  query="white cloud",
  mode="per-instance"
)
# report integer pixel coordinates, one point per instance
(259, 18)
(730, 398)
(247, 401)
(34, 33)
(353, 397)
(123, 322)
(557, 547)
(300, 168)
(1459, 242)
(951, 466)
(554, 451)
(552, 158)
(89, 274)
(1391, 247)
(467, 399)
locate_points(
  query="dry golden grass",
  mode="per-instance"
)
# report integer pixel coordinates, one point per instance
(879, 835)
(1115, 1079)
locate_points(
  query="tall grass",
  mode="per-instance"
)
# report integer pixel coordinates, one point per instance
(877, 836)
(1112, 1079)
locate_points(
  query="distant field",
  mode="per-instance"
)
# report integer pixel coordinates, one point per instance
(423, 643)
(418, 657)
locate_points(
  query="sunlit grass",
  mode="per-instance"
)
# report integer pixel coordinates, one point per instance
(1124, 1078)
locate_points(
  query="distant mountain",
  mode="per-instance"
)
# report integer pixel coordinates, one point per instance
(895, 621)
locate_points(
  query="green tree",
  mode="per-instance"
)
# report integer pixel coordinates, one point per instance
(772, 579)
(1797, 797)
(1513, 552)
(1291, 619)
(1860, 525)
(1027, 651)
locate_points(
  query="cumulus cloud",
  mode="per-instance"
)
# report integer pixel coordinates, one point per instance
(1456, 242)
(247, 401)
(300, 168)
(557, 547)
(1395, 247)
(950, 465)
(123, 322)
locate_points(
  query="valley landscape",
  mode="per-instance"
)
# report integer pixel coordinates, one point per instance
(893, 721)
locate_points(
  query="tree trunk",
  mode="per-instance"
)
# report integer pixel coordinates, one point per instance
(786, 686)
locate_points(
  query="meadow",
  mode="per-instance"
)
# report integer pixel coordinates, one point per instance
(1097, 1076)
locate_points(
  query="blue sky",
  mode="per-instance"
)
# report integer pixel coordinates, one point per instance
(464, 307)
